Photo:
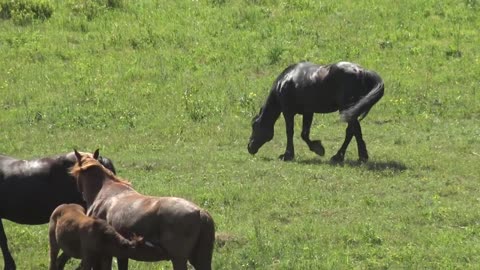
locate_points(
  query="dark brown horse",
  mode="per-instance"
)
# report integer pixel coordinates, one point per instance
(90, 239)
(185, 231)
(306, 88)
(31, 189)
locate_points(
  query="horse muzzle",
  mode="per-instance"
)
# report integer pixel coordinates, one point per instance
(252, 150)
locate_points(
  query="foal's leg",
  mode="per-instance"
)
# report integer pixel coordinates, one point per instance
(62, 260)
(340, 155)
(54, 248)
(315, 146)
(362, 147)
(91, 261)
(289, 152)
(7, 257)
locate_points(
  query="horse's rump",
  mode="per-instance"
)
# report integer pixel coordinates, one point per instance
(373, 86)
(136, 211)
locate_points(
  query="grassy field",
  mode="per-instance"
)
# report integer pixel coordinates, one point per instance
(167, 89)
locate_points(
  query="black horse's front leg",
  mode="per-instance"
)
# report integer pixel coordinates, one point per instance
(105, 263)
(289, 152)
(315, 146)
(122, 263)
(7, 257)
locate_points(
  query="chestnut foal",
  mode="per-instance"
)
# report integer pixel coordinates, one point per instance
(90, 239)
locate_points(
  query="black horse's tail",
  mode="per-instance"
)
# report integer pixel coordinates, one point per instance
(363, 106)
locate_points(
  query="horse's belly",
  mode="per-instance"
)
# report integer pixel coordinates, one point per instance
(312, 106)
(27, 214)
(72, 250)
(149, 254)
(27, 220)
(312, 100)
(33, 201)
(326, 109)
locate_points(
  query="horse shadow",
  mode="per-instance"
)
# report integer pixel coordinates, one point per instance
(377, 166)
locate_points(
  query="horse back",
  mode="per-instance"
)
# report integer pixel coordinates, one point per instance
(307, 88)
(161, 211)
(311, 88)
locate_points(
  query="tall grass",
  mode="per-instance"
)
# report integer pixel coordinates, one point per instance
(167, 89)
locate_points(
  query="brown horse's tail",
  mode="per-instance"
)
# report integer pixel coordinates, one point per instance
(202, 254)
(363, 106)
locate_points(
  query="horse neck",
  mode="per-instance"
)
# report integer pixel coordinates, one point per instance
(91, 191)
(270, 111)
(98, 204)
(111, 188)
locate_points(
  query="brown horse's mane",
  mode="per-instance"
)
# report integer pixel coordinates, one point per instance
(89, 162)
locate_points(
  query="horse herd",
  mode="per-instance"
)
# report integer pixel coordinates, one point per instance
(94, 215)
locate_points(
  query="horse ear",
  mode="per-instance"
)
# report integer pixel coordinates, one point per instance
(96, 154)
(78, 155)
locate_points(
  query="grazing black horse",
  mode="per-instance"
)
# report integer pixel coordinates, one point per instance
(31, 189)
(306, 88)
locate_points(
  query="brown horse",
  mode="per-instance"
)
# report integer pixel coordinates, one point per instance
(90, 239)
(185, 231)
(31, 189)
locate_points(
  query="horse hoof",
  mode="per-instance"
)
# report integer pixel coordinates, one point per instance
(10, 267)
(317, 148)
(362, 159)
(286, 157)
(337, 159)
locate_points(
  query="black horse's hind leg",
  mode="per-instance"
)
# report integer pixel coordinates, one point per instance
(7, 257)
(353, 129)
(362, 147)
(340, 155)
(315, 146)
(289, 152)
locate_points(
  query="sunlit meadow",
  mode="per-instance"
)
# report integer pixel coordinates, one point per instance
(167, 89)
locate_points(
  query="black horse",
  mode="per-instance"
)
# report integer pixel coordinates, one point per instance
(31, 189)
(306, 88)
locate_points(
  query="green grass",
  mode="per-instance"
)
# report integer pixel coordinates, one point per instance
(167, 90)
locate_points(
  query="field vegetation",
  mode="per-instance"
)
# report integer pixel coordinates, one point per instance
(167, 89)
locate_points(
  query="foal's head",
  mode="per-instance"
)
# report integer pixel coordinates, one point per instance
(261, 133)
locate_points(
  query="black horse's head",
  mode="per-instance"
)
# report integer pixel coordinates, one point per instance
(106, 162)
(261, 134)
